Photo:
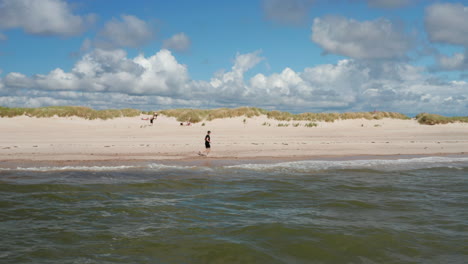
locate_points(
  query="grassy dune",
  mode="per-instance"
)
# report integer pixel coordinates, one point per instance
(194, 115)
(433, 119)
(199, 115)
(65, 111)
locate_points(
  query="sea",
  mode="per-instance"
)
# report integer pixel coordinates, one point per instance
(356, 210)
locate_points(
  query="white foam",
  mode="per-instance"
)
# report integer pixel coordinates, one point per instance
(157, 166)
(376, 164)
(310, 165)
(70, 168)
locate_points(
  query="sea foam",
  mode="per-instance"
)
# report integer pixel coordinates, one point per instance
(373, 164)
(306, 165)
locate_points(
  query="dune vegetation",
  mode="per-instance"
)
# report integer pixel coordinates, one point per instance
(433, 119)
(67, 111)
(199, 115)
(196, 115)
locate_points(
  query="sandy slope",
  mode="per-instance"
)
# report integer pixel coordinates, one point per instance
(60, 139)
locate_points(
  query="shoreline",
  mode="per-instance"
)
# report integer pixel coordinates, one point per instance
(209, 162)
(25, 140)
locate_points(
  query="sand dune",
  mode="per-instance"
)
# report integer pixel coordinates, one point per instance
(76, 139)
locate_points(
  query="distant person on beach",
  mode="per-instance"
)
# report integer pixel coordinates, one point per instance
(155, 116)
(207, 145)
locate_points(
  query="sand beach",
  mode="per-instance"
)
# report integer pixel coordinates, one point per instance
(73, 139)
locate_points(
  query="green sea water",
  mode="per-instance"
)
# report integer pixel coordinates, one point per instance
(357, 211)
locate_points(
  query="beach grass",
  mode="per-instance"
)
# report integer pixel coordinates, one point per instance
(68, 111)
(199, 115)
(434, 119)
(311, 124)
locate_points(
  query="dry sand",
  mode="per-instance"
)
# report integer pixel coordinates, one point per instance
(75, 139)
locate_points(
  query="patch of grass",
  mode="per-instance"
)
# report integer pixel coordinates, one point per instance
(203, 124)
(296, 124)
(280, 116)
(67, 111)
(283, 124)
(266, 124)
(433, 119)
(198, 115)
(311, 124)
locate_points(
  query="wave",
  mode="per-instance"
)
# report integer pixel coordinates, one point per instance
(372, 164)
(300, 166)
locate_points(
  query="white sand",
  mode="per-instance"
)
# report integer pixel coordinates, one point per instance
(76, 139)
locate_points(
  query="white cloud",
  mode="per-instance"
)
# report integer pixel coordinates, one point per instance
(290, 12)
(17, 80)
(42, 17)
(179, 42)
(109, 79)
(234, 80)
(378, 39)
(111, 71)
(459, 61)
(389, 3)
(130, 31)
(447, 23)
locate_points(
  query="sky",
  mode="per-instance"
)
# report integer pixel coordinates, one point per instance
(407, 56)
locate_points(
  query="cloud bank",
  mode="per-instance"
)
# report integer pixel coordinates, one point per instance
(109, 79)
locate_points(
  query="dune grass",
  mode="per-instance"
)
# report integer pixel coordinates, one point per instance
(331, 117)
(199, 115)
(433, 119)
(67, 111)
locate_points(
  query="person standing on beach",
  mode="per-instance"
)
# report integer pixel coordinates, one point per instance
(207, 145)
(155, 116)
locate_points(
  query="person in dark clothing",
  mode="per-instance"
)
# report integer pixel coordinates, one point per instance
(207, 145)
(155, 116)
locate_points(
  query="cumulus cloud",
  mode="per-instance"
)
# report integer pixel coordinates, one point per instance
(378, 39)
(446, 23)
(42, 17)
(111, 71)
(179, 42)
(291, 12)
(389, 3)
(110, 79)
(242, 63)
(130, 31)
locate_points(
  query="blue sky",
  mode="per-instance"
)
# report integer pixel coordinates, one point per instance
(407, 56)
